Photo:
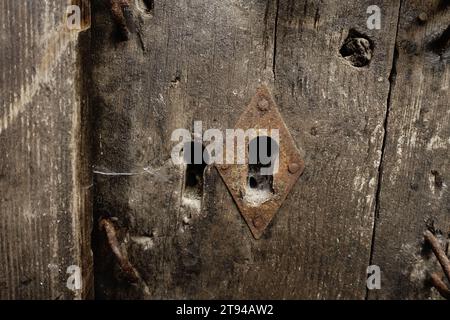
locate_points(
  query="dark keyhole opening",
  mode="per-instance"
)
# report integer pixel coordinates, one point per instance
(252, 182)
(195, 167)
(262, 151)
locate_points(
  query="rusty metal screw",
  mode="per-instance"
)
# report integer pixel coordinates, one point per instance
(293, 167)
(263, 104)
(258, 222)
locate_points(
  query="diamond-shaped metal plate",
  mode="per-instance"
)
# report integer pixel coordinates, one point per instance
(262, 113)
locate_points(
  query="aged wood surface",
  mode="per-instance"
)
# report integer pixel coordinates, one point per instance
(44, 203)
(414, 193)
(368, 110)
(203, 60)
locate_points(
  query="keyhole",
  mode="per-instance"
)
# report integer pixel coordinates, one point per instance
(195, 166)
(262, 152)
(252, 182)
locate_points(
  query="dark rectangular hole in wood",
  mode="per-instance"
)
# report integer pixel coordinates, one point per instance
(195, 167)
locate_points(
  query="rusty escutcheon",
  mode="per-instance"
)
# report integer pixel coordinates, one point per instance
(262, 113)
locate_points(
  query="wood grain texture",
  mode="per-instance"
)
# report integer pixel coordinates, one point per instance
(203, 60)
(196, 60)
(414, 193)
(44, 201)
(336, 113)
(356, 117)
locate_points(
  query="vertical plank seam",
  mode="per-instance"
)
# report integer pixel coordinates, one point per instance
(392, 78)
(274, 61)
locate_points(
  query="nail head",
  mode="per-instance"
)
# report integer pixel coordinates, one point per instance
(263, 104)
(258, 222)
(293, 167)
(423, 17)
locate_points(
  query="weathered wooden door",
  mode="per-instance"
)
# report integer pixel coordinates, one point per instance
(366, 104)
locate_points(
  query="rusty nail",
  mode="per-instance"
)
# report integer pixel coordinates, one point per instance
(113, 242)
(258, 222)
(263, 104)
(438, 252)
(117, 8)
(440, 286)
(423, 17)
(293, 167)
(443, 261)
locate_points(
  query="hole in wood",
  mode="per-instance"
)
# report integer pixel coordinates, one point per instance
(195, 167)
(441, 44)
(357, 49)
(146, 6)
(261, 151)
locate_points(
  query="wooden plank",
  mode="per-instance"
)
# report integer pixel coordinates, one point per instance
(44, 200)
(336, 112)
(203, 60)
(414, 193)
(196, 60)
